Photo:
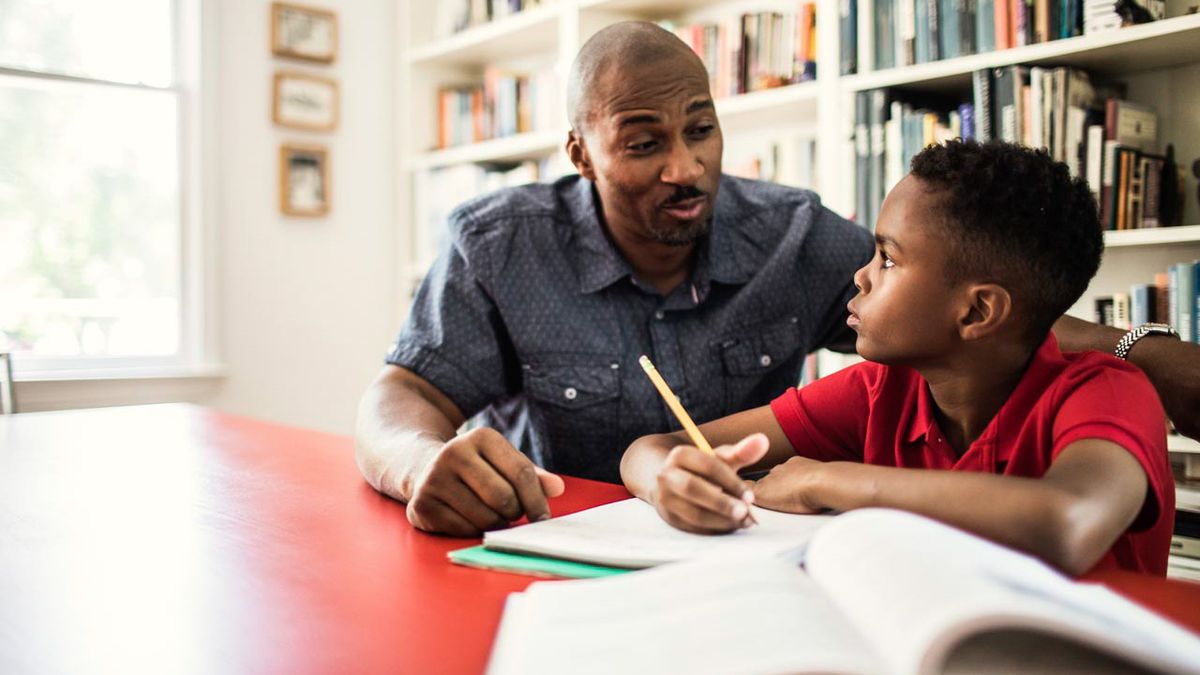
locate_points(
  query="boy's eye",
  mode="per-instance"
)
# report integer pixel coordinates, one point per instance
(887, 261)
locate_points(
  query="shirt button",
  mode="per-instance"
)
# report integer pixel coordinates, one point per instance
(570, 394)
(765, 360)
(659, 315)
(615, 366)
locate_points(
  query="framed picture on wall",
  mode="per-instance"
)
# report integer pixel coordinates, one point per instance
(301, 32)
(305, 102)
(303, 180)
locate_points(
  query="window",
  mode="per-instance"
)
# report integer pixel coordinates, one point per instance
(91, 203)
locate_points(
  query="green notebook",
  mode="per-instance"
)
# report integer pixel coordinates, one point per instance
(478, 556)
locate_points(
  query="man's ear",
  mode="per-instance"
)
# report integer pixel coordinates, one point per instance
(577, 151)
(987, 308)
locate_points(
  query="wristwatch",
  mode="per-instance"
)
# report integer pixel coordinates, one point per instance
(1129, 339)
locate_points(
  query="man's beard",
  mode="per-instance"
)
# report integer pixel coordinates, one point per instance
(688, 233)
(685, 235)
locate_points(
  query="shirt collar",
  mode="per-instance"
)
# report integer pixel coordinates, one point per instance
(1045, 365)
(599, 264)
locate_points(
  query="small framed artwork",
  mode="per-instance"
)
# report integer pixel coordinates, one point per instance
(306, 33)
(305, 102)
(303, 180)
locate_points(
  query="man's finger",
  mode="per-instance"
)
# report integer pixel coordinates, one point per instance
(522, 477)
(491, 487)
(432, 515)
(468, 504)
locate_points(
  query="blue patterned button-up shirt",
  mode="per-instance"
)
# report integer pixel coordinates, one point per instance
(533, 319)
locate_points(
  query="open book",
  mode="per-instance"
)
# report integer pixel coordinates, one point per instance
(884, 592)
(630, 533)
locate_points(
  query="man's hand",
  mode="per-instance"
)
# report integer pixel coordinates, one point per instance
(698, 492)
(790, 487)
(478, 482)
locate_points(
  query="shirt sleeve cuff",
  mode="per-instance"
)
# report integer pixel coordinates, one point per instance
(448, 378)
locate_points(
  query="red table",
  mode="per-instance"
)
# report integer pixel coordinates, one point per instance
(177, 539)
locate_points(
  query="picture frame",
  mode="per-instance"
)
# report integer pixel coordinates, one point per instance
(305, 33)
(303, 101)
(304, 188)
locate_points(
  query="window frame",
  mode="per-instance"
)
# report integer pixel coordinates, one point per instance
(192, 78)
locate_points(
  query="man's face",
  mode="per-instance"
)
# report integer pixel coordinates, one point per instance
(905, 311)
(655, 147)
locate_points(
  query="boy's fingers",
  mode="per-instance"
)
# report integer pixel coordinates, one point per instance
(688, 493)
(710, 468)
(746, 452)
(692, 517)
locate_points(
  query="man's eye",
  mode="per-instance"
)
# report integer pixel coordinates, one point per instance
(702, 131)
(644, 146)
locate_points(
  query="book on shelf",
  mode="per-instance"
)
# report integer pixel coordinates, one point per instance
(1173, 299)
(455, 16)
(908, 32)
(788, 159)
(755, 51)
(880, 591)
(505, 104)
(848, 36)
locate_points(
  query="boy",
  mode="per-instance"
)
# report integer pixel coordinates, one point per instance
(965, 411)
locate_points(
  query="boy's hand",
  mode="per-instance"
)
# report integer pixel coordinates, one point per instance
(791, 487)
(698, 492)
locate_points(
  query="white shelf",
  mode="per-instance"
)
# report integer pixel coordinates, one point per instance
(1153, 236)
(1176, 443)
(1148, 46)
(528, 32)
(530, 145)
(781, 106)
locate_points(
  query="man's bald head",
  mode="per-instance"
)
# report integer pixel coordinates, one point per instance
(620, 48)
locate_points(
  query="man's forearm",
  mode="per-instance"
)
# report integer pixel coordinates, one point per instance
(1172, 366)
(398, 433)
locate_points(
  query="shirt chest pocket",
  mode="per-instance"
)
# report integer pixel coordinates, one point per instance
(573, 386)
(760, 351)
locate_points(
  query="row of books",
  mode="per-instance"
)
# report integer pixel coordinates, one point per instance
(1173, 299)
(1109, 141)
(906, 32)
(506, 103)
(453, 16)
(755, 51)
(787, 160)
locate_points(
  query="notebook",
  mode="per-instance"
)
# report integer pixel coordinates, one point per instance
(881, 591)
(631, 534)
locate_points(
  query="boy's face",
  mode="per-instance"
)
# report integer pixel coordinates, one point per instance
(905, 311)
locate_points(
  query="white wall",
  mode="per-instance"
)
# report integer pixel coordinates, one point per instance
(305, 307)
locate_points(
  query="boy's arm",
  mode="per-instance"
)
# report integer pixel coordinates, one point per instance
(697, 492)
(1172, 366)
(1069, 518)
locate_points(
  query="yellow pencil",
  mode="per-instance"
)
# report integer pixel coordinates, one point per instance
(685, 419)
(676, 407)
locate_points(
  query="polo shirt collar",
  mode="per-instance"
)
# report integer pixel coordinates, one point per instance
(1045, 365)
(599, 264)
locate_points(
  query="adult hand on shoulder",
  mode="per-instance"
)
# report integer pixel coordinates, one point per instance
(790, 487)
(477, 482)
(702, 493)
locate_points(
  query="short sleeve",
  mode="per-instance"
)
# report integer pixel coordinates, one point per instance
(1116, 402)
(455, 339)
(826, 420)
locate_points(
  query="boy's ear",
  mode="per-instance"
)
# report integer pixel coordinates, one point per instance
(988, 307)
(577, 151)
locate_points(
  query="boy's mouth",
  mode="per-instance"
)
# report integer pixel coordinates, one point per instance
(852, 321)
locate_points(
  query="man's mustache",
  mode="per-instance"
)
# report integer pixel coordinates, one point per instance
(683, 194)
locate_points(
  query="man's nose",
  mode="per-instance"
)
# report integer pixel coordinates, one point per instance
(683, 166)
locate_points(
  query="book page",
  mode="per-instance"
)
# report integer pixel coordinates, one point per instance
(919, 588)
(758, 616)
(630, 533)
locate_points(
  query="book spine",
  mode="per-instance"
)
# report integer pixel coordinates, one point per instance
(877, 117)
(949, 35)
(906, 33)
(1095, 159)
(985, 26)
(981, 88)
(1140, 297)
(1195, 302)
(922, 40)
(885, 33)
(848, 42)
(862, 158)
(1185, 301)
(1001, 20)
(935, 30)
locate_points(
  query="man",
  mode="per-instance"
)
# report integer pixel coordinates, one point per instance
(537, 315)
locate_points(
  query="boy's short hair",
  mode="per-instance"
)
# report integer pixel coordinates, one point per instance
(1016, 217)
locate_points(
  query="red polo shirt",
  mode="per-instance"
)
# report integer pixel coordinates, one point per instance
(883, 415)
